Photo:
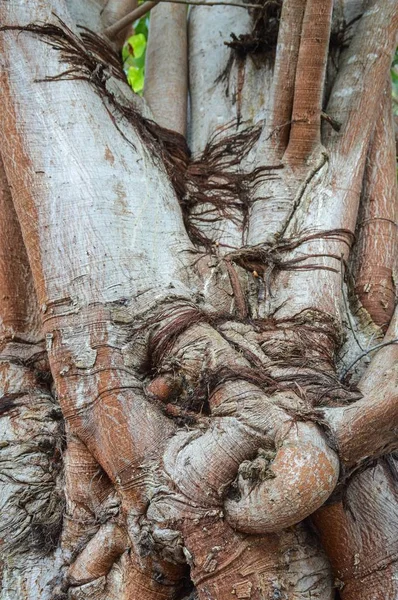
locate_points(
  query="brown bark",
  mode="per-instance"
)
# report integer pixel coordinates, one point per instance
(19, 310)
(31, 437)
(376, 253)
(230, 565)
(287, 52)
(359, 535)
(305, 130)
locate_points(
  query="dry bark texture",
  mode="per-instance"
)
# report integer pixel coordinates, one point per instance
(193, 289)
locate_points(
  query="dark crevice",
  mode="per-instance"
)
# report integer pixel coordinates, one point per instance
(262, 38)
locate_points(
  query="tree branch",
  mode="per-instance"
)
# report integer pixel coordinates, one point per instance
(114, 29)
(331, 199)
(114, 11)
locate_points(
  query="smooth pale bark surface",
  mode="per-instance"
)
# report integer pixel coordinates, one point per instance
(87, 13)
(213, 106)
(112, 168)
(166, 67)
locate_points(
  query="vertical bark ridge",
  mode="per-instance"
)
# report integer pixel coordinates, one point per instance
(377, 230)
(30, 423)
(329, 198)
(276, 130)
(89, 498)
(305, 129)
(166, 66)
(366, 63)
(19, 307)
(270, 203)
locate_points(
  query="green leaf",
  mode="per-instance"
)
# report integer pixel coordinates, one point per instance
(140, 62)
(133, 54)
(135, 46)
(141, 26)
(138, 44)
(135, 77)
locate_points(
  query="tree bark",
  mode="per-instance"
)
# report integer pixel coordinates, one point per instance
(190, 296)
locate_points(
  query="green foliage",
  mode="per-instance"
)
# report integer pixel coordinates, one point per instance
(133, 55)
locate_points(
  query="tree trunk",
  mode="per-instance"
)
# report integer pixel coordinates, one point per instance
(193, 286)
